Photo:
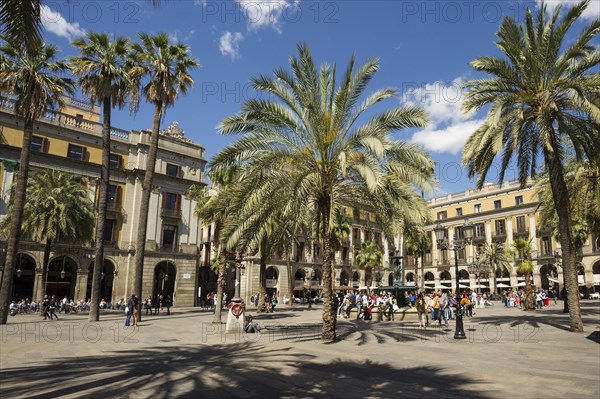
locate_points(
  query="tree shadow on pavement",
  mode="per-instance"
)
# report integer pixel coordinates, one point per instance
(241, 370)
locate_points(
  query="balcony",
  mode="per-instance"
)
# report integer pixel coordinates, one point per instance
(114, 208)
(499, 237)
(521, 233)
(543, 232)
(170, 213)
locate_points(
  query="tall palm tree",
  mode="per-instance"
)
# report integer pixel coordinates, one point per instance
(369, 255)
(542, 98)
(523, 249)
(102, 71)
(417, 243)
(306, 140)
(583, 182)
(58, 208)
(497, 256)
(21, 21)
(164, 70)
(33, 80)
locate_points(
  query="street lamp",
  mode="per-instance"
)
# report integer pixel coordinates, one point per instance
(455, 245)
(19, 271)
(239, 271)
(62, 272)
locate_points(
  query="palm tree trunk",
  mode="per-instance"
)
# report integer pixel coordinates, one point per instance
(528, 297)
(220, 285)
(140, 245)
(101, 216)
(41, 291)
(15, 222)
(262, 280)
(561, 203)
(329, 317)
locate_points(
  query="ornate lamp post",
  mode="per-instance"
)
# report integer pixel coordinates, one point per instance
(455, 245)
(398, 277)
(240, 270)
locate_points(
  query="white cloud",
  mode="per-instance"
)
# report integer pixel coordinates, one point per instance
(55, 23)
(229, 44)
(591, 12)
(449, 128)
(268, 13)
(175, 36)
(450, 139)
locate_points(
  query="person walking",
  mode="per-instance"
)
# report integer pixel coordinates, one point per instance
(421, 305)
(52, 307)
(132, 311)
(168, 304)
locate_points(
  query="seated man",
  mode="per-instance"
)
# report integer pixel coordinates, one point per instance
(251, 326)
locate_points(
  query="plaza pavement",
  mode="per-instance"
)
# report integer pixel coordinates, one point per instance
(508, 353)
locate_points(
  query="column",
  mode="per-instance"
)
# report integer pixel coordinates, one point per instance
(81, 285)
(488, 232)
(532, 232)
(509, 230)
(38, 285)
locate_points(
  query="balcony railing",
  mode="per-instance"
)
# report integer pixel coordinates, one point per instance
(521, 233)
(74, 122)
(170, 213)
(499, 237)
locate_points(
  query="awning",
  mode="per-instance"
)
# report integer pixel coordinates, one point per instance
(552, 279)
(441, 287)
(502, 285)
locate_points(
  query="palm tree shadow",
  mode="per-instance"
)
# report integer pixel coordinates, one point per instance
(234, 370)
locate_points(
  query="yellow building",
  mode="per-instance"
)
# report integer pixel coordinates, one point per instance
(70, 141)
(499, 214)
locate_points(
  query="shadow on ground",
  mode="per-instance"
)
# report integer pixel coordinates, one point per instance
(256, 371)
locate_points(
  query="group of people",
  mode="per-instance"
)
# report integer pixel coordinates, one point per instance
(365, 304)
(59, 305)
(516, 299)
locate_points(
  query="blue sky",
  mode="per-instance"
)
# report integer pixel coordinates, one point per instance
(424, 48)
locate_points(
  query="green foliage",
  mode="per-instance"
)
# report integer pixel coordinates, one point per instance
(583, 182)
(57, 208)
(369, 255)
(33, 78)
(496, 256)
(103, 67)
(542, 96)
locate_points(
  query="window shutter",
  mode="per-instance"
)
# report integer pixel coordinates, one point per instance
(120, 161)
(118, 193)
(84, 154)
(164, 200)
(45, 145)
(178, 203)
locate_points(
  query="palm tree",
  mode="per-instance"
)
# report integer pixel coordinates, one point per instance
(583, 182)
(58, 208)
(213, 208)
(306, 140)
(525, 266)
(102, 71)
(497, 257)
(33, 80)
(167, 69)
(417, 243)
(369, 256)
(542, 99)
(22, 22)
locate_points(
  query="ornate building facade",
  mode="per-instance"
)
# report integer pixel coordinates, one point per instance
(70, 141)
(500, 214)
